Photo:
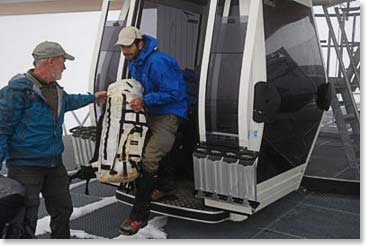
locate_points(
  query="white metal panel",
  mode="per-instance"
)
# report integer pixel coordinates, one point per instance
(277, 187)
(92, 73)
(258, 73)
(28, 7)
(124, 10)
(129, 22)
(241, 208)
(244, 7)
(227, 7)
(243, 128)
(308, 3)
(266, 187)
(24, 1)
(204, 70)
(279, 192)
(252, 69)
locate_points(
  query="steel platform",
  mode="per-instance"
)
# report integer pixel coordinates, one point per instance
(184, 205)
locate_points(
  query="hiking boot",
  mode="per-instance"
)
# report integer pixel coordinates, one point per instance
(159, 195)
(130, 227)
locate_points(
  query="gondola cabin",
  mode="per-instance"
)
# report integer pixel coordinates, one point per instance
(257, 89)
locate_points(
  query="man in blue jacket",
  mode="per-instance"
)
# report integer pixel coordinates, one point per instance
(32, 110)
(166, 103)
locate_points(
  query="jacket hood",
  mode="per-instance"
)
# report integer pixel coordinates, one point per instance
(20, 82)
(149, 46)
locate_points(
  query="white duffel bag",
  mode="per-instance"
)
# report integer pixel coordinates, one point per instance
(123, 134)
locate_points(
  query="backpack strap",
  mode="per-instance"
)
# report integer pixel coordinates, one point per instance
(121, 131)
(108, 115)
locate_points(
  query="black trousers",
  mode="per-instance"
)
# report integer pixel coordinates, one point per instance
(53, 183)
(144, 185)
(166, 176)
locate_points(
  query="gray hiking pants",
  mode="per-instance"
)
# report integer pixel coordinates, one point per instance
(163, 133)
(53, 183)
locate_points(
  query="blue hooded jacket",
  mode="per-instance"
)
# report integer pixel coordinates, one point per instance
(162, 79)
(29, 133)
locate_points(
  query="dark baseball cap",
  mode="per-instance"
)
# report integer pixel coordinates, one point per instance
(49, 49)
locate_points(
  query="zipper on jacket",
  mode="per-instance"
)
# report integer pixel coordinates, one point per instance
(55, 118)
(53, 146)
(20, 139)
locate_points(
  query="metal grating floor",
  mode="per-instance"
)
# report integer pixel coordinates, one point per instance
(301, 214)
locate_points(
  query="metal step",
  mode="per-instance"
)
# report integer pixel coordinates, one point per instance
(184, 206)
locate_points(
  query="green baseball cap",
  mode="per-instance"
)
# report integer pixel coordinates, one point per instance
(49, 49)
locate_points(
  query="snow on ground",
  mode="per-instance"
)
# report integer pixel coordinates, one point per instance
(154, 230)
(43, 226)
(79, 234)
(77, 184)
(87, 209)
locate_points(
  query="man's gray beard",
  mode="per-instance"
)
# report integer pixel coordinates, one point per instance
(55, 78)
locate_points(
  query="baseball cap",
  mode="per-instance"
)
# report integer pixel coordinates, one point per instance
(48, 49)
(128, 35)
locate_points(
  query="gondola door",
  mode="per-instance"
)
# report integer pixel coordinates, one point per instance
(233, 62)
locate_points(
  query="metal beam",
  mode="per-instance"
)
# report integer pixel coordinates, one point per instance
(343, 69)
(51, 6)
(329, 3)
